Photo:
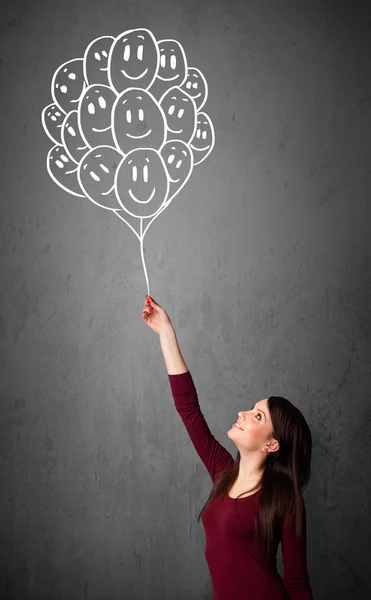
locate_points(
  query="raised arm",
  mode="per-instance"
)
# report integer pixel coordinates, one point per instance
(215, 457)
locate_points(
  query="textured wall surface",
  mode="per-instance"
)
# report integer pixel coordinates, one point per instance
(262, 262)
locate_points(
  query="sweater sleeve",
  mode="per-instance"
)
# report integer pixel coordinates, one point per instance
(215, 457)
(294, 554)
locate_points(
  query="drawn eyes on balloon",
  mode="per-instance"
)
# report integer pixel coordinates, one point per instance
(68, 84)
(172, 61)
(177, 165)
(94, 115)
(137, 117)
(128, 50)
(202, 133)
(96, 60)
(133, 60)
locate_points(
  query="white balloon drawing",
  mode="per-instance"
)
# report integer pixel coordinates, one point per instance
(52, 118)
(127, 127)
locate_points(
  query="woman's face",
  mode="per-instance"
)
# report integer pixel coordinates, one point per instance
(256, 427)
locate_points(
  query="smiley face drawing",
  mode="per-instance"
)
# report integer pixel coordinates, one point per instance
(172, 69)
(196, 86)
(96, 176)
(141, 183)
(94, 115)
(68, 84)
(137, 121)
(204, 139)
(181, 115)
(96, 60)
(133, 60)
(63, 170)
(52, 118)
(178, 160)
(71, 137)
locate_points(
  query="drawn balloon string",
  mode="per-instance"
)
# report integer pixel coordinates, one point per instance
(127, 126)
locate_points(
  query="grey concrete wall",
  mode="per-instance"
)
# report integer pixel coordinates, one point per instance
(263, 263)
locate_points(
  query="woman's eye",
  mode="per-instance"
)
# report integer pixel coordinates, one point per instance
(256, 416)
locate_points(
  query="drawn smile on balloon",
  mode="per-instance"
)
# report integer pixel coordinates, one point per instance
(73, 171)
(175, 130)
(198, 95)
(109, 191)
(201, 149)
(142, 201)
(168, 78)
(130, 77)
(139, 136)
(99, 130)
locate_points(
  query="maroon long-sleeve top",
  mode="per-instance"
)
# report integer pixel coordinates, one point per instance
(238, 570)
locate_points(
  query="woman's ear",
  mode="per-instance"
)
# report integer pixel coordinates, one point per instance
(271, 447)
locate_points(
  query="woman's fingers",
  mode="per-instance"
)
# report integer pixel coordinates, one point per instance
(146, 312)
(149, 300)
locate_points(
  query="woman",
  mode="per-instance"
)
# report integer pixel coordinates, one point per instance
(256, 499)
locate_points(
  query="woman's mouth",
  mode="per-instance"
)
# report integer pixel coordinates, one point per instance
(237, 425)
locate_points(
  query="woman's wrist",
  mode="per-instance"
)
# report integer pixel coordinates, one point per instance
(167, 329)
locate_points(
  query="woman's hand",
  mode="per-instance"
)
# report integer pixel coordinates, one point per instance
(155, 316)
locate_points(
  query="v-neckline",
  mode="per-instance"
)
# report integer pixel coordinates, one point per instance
(246, 497)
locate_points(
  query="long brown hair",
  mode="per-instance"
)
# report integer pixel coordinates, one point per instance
(286, 472)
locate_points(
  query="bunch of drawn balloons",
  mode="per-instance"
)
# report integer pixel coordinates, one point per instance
(127, 125)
